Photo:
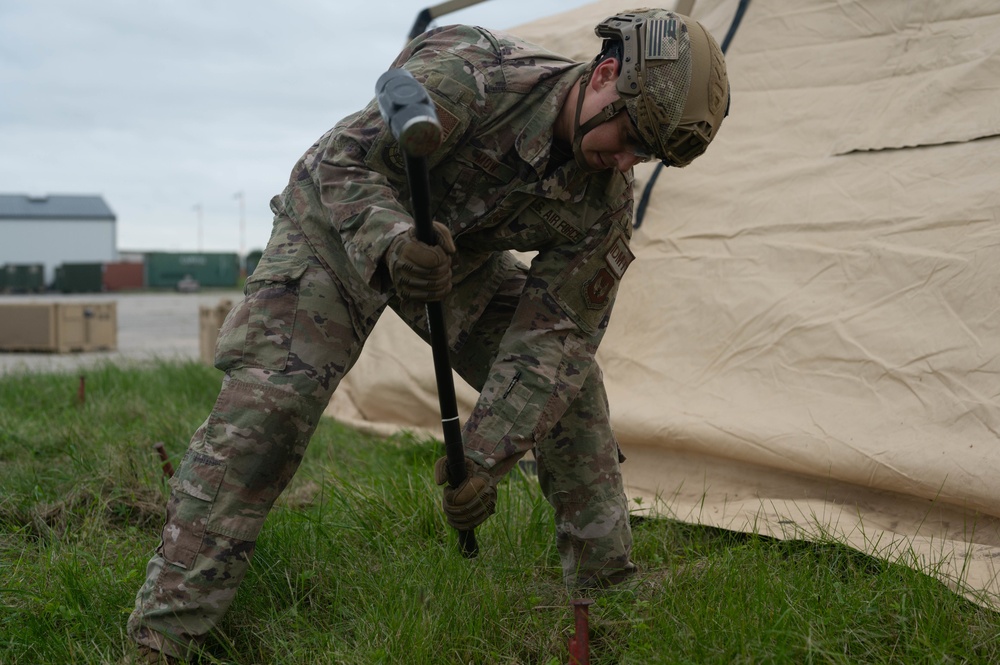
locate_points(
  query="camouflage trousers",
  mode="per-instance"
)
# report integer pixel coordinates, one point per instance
(284, 350)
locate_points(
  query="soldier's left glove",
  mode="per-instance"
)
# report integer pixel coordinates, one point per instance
(468, 505)
(420, 271)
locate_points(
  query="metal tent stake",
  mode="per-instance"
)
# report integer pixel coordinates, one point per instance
(579, 644)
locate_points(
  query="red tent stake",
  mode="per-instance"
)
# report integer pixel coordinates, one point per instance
(579, 644)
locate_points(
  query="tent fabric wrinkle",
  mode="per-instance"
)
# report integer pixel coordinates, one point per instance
(807, 344)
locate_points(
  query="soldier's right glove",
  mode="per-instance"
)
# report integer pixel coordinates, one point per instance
(419, 271)
(468, 505)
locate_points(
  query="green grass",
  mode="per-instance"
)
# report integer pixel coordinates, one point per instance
(356, 564)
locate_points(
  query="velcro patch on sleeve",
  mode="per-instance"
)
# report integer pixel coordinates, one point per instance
(451, 99)
(391, 155)
(448, 122)
(598, 289)
(592, 281)
(619, 257)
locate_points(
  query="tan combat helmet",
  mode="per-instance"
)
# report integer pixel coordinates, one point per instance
(672, 81)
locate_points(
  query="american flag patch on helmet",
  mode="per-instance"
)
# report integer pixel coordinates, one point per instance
(662, 42)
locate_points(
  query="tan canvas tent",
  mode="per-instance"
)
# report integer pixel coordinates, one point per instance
(808, 344)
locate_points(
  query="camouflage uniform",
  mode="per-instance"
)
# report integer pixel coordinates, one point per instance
(525, 337)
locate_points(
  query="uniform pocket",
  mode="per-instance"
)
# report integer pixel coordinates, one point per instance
(194, 488)
(508, 408)
(272, 300)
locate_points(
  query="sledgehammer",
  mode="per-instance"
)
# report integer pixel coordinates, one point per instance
(409, 112)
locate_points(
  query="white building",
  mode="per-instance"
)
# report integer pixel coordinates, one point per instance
(56, 229)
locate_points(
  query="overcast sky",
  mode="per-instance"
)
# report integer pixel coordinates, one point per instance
(168, 107)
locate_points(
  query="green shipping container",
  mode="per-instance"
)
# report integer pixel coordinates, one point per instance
(80, 278)
(24, 278)
(164, 270)
(253, 258)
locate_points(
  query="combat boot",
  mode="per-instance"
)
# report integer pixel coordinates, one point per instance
(143, 655)
(624, 578)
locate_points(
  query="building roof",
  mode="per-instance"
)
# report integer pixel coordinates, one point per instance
(55, 206)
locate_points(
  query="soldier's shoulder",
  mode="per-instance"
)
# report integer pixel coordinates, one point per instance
(472, 42)
(511, 47)
(486, 46)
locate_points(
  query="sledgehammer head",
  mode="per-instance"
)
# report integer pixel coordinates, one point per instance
(409, 112)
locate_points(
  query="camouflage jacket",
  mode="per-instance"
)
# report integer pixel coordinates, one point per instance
(493, 185)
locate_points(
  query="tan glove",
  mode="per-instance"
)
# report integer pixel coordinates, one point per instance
(419, 271)
(468, 505)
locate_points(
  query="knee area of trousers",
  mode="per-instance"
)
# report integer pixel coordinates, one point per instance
(254, 405)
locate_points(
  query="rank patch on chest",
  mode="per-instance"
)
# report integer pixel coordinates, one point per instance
(619, 257)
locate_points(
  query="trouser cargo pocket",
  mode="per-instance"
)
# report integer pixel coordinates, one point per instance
(193, 490)
(258, 333)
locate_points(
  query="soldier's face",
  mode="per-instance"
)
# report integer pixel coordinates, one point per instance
(613, 144)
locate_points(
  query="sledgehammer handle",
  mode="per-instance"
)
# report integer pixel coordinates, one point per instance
(409, 112)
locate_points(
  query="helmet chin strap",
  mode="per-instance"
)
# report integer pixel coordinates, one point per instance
(579, 131)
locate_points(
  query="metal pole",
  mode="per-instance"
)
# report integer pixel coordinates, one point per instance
(408, 110)
(243, 230)
(425, 16)
(197, 209)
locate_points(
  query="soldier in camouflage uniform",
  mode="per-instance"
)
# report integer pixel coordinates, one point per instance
(517, 170)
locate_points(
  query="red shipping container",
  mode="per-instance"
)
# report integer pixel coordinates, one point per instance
(124, 276)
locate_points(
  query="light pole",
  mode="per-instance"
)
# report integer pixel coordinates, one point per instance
(243, 230)
(197, 209)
